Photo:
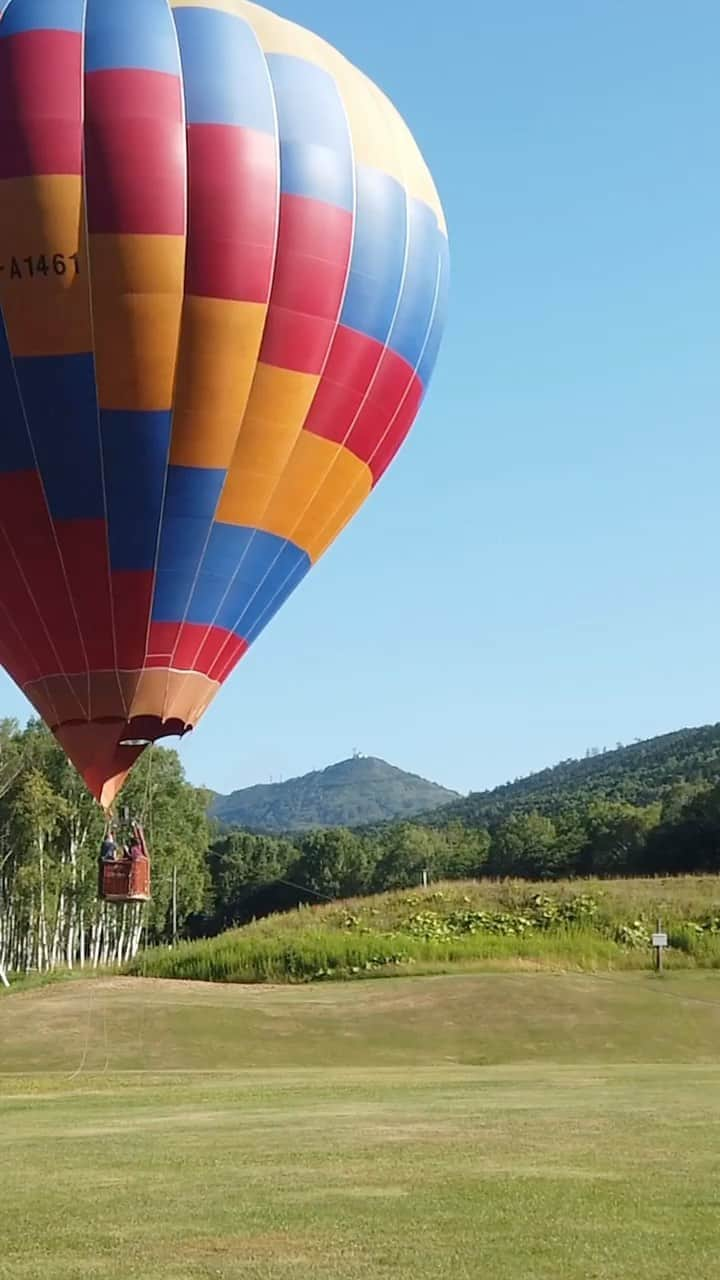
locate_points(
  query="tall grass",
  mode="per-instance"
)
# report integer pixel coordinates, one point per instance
(605, 925)
(321, 952)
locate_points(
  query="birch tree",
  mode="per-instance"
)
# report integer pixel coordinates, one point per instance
(50, 834)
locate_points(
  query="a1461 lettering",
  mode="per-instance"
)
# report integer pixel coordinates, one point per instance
(41, 267)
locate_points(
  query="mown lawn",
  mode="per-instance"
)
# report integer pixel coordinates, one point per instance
(523, 1127)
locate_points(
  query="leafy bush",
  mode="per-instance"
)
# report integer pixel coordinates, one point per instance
(632, 935)
(541, 912)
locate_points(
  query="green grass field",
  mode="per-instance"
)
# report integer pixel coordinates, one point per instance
(521, 1127)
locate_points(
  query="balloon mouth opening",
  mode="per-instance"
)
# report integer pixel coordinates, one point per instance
(104, 750)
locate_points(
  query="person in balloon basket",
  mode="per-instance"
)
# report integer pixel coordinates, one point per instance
(108, 854)
(136, 849)
(108, 848)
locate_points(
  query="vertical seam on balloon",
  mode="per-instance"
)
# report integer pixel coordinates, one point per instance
(385, 105)
(288, 541)
(31, 597)
(276, 118)
(158, 540)
(43, 680)
(391, 117)
(12, 625)
(212, 522)
(341, 304)
(268, 608)
(423, 349)
(61, 671)
(13, 553)
(389, 427)
(91, 315)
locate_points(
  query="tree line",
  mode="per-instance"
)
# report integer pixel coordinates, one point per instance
(254, 875)
(51, 830)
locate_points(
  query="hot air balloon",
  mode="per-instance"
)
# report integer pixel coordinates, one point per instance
(223, 279)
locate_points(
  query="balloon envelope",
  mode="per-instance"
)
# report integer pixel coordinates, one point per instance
(223, 274)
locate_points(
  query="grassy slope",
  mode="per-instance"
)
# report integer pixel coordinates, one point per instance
(674, 898)
(468, 1020)
(343, 938)
(553, 1128)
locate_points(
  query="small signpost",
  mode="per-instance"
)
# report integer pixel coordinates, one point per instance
(659, 941)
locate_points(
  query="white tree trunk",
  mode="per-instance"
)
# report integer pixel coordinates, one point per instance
(96, 934)
(43, 951)
(70, 944)
(59, 930)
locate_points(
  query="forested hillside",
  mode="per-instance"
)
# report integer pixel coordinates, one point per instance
(353, 793)
(640, 774)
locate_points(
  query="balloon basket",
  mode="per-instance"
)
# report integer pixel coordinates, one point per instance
(125, 881)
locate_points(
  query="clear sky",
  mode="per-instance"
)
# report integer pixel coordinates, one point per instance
(537, 573)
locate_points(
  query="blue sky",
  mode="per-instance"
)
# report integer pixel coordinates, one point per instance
(537, 572)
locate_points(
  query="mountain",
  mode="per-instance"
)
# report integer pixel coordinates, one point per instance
(639, 774)
(356, 792)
